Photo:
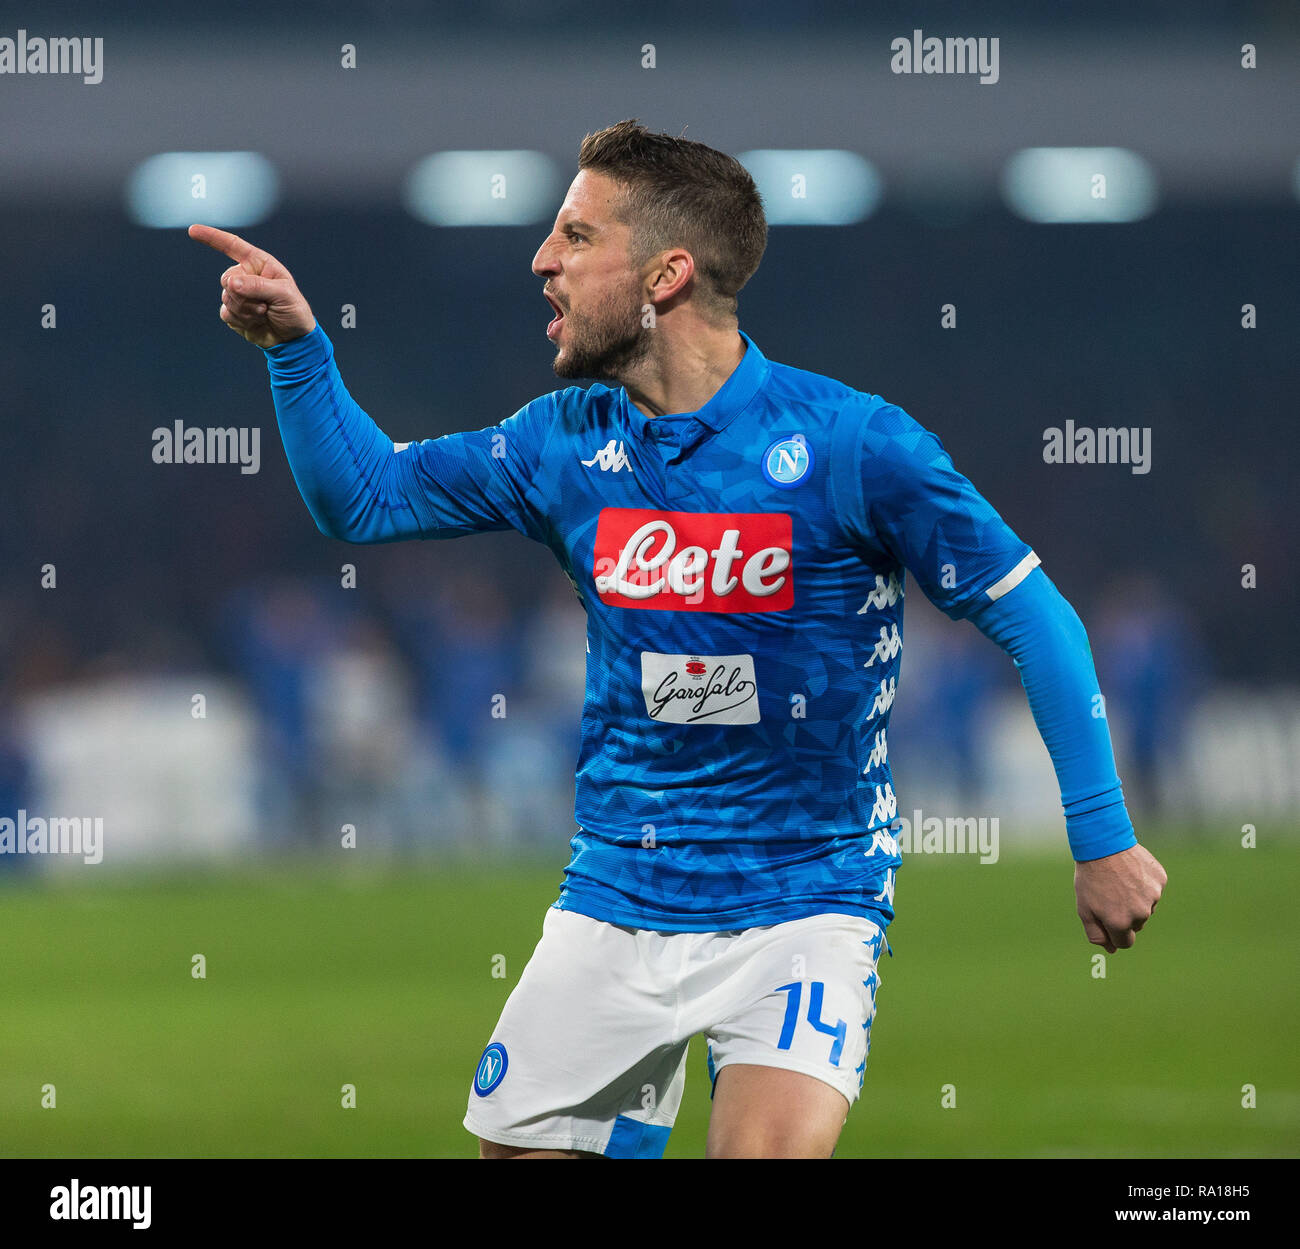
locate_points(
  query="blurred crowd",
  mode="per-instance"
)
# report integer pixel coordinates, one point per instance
(438, 701)
(436, 714)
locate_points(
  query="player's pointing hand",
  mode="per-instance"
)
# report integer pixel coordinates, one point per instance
(259, 299)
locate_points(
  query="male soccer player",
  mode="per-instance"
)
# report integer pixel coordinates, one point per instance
(737, 531)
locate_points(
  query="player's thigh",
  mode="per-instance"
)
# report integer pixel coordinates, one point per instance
(771, 1112)
(789, 1057)
(490, 1149)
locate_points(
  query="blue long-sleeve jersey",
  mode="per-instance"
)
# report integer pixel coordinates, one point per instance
(743, 572)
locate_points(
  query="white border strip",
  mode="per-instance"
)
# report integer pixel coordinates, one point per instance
(1014, 577)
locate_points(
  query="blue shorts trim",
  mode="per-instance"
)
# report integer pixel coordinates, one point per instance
(633, 1139)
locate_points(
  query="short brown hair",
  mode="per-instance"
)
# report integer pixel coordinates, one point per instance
(684, 194)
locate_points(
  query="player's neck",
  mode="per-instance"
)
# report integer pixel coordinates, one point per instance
(685, 369)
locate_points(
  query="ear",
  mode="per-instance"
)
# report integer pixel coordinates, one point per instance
(669, 273)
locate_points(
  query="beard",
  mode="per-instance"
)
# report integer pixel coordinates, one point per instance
(606, 342)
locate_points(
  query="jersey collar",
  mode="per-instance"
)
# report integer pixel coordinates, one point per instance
(728, 402)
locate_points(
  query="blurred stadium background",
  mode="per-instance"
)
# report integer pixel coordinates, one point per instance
(372, 707)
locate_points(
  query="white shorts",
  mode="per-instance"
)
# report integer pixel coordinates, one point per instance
(590, 1050)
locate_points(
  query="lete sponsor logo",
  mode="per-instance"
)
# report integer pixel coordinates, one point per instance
(694, 561)
(699, 689)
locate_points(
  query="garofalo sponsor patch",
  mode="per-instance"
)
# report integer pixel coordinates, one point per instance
(699, 689)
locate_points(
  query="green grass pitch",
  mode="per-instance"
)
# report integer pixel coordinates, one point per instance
(383, 979)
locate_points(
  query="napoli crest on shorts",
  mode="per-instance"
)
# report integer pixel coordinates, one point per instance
(491, 1069)
(787, 462)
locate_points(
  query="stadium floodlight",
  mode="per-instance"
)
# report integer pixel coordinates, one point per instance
(814, 187)
(503, 188)
(1060, 185)
(228, 188)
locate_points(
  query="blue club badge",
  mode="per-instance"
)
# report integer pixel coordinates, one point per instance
(787, 462)
(491, 1069)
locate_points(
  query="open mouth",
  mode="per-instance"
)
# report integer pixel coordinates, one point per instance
(554, 327)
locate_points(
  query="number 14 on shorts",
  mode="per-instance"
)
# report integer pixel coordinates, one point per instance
(816, 991)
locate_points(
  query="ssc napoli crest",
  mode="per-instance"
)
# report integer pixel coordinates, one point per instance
(787, 462)
(491, 1069)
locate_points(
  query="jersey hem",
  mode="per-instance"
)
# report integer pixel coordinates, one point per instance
(761, 917)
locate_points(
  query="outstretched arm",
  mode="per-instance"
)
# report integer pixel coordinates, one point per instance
(356, 483)
(1117, 882)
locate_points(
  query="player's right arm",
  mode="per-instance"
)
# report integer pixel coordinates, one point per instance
(356, 483)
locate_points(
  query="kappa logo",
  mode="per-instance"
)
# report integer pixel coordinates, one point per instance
(887, 648)
(884, 808)
(491, 1069)
(883, 840)
(611, 458)
(884, 698)
(879, 755)
(886, 594)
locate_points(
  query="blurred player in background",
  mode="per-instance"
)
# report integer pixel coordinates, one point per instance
(738, 531)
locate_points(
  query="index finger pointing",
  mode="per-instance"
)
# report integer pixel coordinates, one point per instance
(223, 241)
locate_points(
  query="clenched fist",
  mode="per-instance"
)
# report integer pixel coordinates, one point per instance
(259, 299)
(1116, 896)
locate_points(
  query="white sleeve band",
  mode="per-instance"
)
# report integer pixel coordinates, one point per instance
(1014, 577)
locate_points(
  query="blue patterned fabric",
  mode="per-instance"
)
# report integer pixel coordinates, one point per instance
(743, 572)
